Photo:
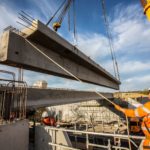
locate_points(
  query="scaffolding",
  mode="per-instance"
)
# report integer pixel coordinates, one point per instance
(116, 144)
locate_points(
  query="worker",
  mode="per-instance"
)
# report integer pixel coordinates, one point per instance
(47, 119)
(144, 113)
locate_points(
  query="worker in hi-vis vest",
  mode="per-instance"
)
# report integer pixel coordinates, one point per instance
(143, 112)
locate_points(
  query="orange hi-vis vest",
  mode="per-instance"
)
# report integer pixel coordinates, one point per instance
(50, 121)
(142, 112)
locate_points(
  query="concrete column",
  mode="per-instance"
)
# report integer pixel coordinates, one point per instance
(14, 136)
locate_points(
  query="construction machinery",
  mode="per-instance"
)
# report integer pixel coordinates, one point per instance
(146, 6)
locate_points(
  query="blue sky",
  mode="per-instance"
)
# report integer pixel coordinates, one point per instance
(129, 27)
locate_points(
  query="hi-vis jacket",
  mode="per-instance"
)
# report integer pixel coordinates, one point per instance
(142, 111)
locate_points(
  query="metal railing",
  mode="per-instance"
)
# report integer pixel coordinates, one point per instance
(108, 146)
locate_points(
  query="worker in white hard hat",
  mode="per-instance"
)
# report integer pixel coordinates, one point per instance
(45, 118)
(44, 114)
(143, 112)
(48, 119)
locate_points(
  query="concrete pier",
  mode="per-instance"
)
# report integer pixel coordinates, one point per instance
(14, 136)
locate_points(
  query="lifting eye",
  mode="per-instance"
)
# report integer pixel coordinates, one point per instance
(56, 26)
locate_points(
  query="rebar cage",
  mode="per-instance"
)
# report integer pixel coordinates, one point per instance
(13, 98)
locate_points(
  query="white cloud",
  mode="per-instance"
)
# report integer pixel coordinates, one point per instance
(131, 30)
(7, 17)
(134, 67)
(31, 77)
(57, 82)
(130, 34)
(131, 41)
(128, 67)
(93, 45)
(136, 83)
(43, 9)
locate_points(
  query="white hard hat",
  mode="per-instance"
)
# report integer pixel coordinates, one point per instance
(44, 114)
(149, 89)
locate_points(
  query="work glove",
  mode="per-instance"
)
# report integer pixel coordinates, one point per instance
(118, 107)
